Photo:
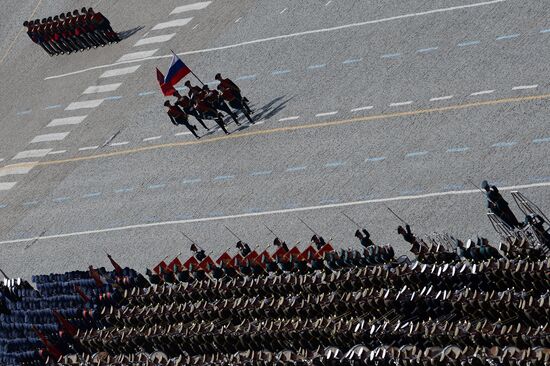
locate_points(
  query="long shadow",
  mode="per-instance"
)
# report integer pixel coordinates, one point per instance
(130, 32)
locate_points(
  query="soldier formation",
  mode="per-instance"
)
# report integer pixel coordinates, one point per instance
(457, 303)
(71, 32)
(205, 104)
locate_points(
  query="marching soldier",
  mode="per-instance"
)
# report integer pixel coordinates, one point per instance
(243, 248)
(187, 105)
(364, 238)
(498, 205)
(178, 117)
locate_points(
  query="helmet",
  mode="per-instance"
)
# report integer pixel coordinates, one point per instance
(90, 9)
(62, 16)
(167, 103)
(75, 12)
(69, 14)
(25, 23)
(188, 83)
(485, 185)
(205, 87)
(358, 234)
(83, 10)
(218, 76)
(56, 18)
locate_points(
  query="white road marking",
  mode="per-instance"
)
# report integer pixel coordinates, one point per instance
(40, 153)
(195, 26)
(66, 121)
(362, 108)
(196, 6)
(483, 92)
(151, 138)
(119, 72)
(523, 87)
(429, 49)
(182, 133)
(17, 169)
(88, 148)
(291, 118)
(238, 19)
(84, 104)
(101, 88)
(282, 11)
(57, 152)
(173, 23)
(4, 186)
(469, 43)
(328, 3)
(120, 143)
(446, 97)
(332, 113)
(398, 104)
(318, 66)
(155, 39)
(458, 149)
(509, 36)
(298, 34)
(50, 137)
(416, 153)
(273, 212)
(391, 55)
(259, 122)
(136, 56)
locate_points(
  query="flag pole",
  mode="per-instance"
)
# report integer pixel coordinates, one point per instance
(195, 75)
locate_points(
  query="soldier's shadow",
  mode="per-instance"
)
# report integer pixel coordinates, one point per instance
(130, 32)
(265, 112)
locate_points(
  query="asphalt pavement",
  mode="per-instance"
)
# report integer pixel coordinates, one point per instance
(358, 106)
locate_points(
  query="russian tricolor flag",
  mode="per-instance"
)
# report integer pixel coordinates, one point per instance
(176, 72)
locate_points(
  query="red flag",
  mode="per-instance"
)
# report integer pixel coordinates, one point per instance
(167, 89)
(79, 291)
(162, 265)
(206, 264)
(224, 258)
(118, 268)
(95, 275)
(191, 261)
(175, 265)
(65, 324)
(52, 350)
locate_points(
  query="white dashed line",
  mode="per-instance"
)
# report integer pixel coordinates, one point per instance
(362, 108)
(524, 87)
(182, 133)
(66, 121)
(136, 55)
(313, 67)
(326, 114)
(4, 186)
(328, 3)
(292, 118)
(238, 19)
(155, 39)
(50, 137)
(84, 104)
(101, 88)
(40, 153)
(120, 143)
(151, 138)
(88, 148)
(57, 152)
(196, 6)
(416, 153)
(259, 122)
(195, 26)
(399, 104)
(436, 99)
(172, 23)
(119, 72)
(483, 92)
(424, 50)
(282, 11)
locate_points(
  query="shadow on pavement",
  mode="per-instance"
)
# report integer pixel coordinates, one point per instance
(130, 32)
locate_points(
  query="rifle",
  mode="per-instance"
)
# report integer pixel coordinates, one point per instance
(394, 214)
(350, 219)
(235, 235)
(306, 225)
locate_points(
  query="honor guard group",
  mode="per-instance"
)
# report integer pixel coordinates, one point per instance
(204, 103)
(71, 32)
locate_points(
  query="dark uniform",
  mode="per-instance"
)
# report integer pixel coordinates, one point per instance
(498, 205)
(187, 106)
(243, 248)
(178, 117)
(364, 237)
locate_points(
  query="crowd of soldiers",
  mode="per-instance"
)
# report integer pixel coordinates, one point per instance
(204, 103)
(71, 32)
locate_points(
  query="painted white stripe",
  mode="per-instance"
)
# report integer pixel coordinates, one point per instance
(441, 98)
(88, 148)
(182, 133)
(282, 11)
(196, 6)
(155, 39)
(17, 169)
(57, 152)
(50, 137)
(152, 138)
(482, 92)
(291, 118)
(120, 143)
(332, 113)
(84, 104)
(398, 104)
(523, 87)
(4, 186)
(136, 56)
(172, 23)
(273, 212)
(299, 34)
(66, 121)
(40, 153)
(362, 108)
(119, 72)
(102, 88)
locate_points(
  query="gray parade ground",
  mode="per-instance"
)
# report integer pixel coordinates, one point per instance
(358, 105)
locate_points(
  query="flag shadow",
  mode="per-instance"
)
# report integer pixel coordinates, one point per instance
(128, 33)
